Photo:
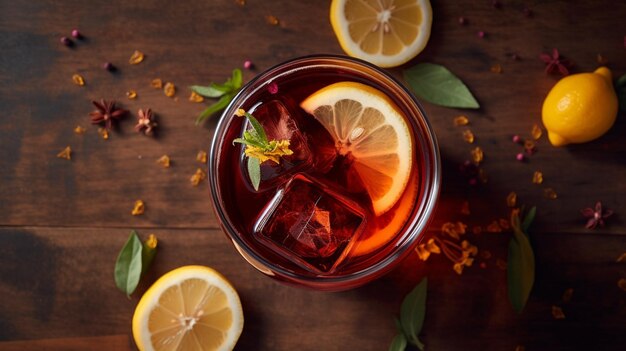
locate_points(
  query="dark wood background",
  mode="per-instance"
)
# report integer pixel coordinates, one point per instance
(63, 222)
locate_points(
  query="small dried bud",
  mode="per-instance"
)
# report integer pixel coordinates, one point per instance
(76, 34)
(66, 41)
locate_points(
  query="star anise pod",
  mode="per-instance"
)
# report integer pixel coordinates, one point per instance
(106, 112)
(596, 216)
(555, 63)
(145, 121)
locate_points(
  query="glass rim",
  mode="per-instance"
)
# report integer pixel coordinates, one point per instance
(415, 226)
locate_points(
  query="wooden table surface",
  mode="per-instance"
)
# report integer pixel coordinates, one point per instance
(63, 222)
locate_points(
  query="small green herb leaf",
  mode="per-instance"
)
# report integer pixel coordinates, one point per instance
(412, 313)
(237, 78)
(254, 171)
(258, 128)
(215, 107)
(211, 91)
(398, 343)
(436, 84)
(128, 266)
(521, 263)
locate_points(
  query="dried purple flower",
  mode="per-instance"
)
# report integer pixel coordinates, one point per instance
(596, 216)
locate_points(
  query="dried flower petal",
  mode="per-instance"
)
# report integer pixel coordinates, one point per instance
(164, 161)
(79, 130)
(511, 199)
(138, 209)
(152, 241)
(201, 157)
(454, 230)
(477, 155)
(537, 177)
(549, 193)
(567, 295)
(465, 208)
(622, 258)
(156, 83)
(136, 57)
(194, 97)
(496, 68)
(131, 94)
(536, 132)
(78, 79)
(557, 312)
(621, 283)
(458, 268)
(529, 145)
(468, 136)
(422, 253)
(273, 20)
(66, 153)
(432, 247)
(145, 121)
(103, 133)
(461, 120)
(494, 227)
(501, 264)
(169, 89)
(197, 177)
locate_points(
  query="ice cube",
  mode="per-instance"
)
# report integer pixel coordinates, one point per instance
(279, 124)
(310, 224)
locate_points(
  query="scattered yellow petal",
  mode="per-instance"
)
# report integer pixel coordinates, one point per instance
(194, 97)
(511, 199)
(494, 227)
(496, 68)
(432, 247)
(79, 130)
(169, 89)
(65, 154)
(465, 208)
(477, 229)
(103, 133)
(240, 112)
(504, 224)
(461, 121)
(156, 83)
(621, 283)
(152, 241)
(422, 253)
(537, 177)
(477, 155)
(136, 57)
(529, 145)
(138, 208)
(501, 264)
(458, 268)
(622, 258)
(536, 132)
(197, 177)
(201, 157)
(273, 20)
(164, 161)
(78, 79)
(454, 230)
(485, 254)
(549, 193)
(557, 312)
(567, 295)
(131, 94)
(468, 136)
(469, 249)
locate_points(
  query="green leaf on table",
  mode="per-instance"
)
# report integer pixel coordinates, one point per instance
(436, 84)
(225, 92)
(398, 343)
(620, 90)
(128, 266)
(412, 313)
(521, 262)
(528, 219)
(254, 171)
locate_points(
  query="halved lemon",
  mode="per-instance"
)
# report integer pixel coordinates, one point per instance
(367, 125)
(386, 33)
(189, 308)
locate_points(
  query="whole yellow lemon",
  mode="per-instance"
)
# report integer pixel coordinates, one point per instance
(580, 107)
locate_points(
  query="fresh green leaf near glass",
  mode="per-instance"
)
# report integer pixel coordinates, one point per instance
(521, 261)
(436, 84)
(225, 92)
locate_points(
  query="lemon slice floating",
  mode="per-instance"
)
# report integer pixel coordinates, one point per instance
(366, 124)
(190, 308)
(386, 33)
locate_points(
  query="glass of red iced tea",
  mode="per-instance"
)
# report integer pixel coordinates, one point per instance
(355, 193)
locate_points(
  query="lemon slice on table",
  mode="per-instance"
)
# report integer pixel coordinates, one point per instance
(367, 125)
(190, 308)
(386, 33)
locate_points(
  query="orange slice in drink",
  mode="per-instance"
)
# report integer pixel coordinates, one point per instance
(367, 125)
(190, 308)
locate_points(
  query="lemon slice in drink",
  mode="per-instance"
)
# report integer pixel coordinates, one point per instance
(387, 33)
(190, 308)
(368, 126)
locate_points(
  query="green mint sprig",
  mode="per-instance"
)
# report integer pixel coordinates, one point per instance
(521, 261)
(133, 262)
(225, 92)
(412, 315)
